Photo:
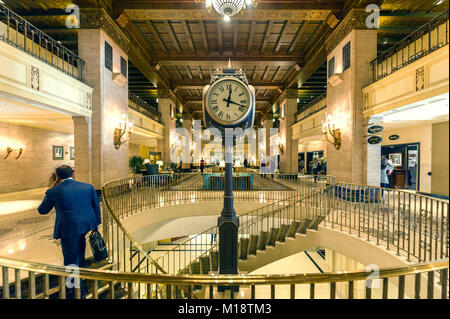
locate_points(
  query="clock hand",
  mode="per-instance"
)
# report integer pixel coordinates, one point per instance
(238, 104)
(229, 98)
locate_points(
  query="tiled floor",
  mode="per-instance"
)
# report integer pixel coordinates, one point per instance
(24, 234)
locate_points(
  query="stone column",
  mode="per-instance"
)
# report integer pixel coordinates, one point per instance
(166, 106)
(289, 156)
(83, 148)
(268, 124)
(187, 124)
(110, 96)
(345, 97)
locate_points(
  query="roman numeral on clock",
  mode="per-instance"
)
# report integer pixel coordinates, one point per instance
(220, 114)
(215, 109)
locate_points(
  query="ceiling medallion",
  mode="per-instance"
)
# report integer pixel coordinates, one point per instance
(229, 8)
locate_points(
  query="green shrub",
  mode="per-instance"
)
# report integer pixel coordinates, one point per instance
(136, 163)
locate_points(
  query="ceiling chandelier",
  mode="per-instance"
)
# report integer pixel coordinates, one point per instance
(229, 8)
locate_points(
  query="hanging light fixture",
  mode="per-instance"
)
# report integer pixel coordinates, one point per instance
(229, 8)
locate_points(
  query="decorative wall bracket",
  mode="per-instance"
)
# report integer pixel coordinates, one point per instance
(332, 134)
(281, 149)
(119, 133)
(336, 79)
(334, 137)
(119, 79)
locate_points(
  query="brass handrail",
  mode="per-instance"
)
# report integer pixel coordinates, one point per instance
(226, 280)
(128, 235)
(209, 230)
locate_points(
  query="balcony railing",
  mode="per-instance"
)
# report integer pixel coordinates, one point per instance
(411, 225)
(427, 39)
(143, 107)
(308, 110)
(21, 34)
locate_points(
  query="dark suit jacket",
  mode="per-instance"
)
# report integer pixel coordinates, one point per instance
(77, 208)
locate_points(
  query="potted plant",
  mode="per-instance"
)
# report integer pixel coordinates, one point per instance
(136, 163)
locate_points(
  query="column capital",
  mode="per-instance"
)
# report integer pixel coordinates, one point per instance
(168, 94)
(164, 94)
(98, 18)
(354, 20)
(82, 120)
(291, 93)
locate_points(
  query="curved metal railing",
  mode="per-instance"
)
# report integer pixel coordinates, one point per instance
(131, 281)
(403, 221)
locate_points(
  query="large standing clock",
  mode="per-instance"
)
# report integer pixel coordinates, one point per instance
(229, 102)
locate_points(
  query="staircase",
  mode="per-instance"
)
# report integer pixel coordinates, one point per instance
(251, 246)
(269, 226)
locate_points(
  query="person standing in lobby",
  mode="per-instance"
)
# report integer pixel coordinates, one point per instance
(77, 212)
(202, 165)
(386, 170)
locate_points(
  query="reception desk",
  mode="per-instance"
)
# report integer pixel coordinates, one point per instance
(217, 182)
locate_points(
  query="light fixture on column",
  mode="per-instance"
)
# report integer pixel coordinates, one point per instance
(19, 149)
(229, 8)
(124, 128)
(332, 134)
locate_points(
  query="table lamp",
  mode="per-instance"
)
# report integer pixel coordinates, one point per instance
(160, 164)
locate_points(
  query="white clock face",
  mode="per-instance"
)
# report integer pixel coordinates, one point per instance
(228, 101)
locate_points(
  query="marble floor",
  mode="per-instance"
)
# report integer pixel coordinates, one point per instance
(24, 234)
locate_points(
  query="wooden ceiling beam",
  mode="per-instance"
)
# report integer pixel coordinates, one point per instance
(189, 72)
(266, 37)
(212, 59)
(219, 36)
(188, 33)
(298, 36)
(204, 35)
(235, 36)
(269, 6)
(173, 36)
(281, 37)
(251, 36)
(140, 59)
(199, 98)
(158, 36)
(201, 84)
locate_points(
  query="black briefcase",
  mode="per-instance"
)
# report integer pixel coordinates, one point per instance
(98, 246)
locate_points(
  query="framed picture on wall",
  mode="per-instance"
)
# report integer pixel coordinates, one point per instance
(72, 153)
(396, 159)
(58, 152)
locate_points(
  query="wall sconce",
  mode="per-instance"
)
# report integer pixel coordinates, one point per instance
(124, 127)
(281, 148)
(332, 134)
(10, 149)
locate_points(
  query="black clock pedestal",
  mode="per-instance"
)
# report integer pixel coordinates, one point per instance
(228, 224)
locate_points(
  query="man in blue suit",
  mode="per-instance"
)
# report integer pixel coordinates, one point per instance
(77, 213)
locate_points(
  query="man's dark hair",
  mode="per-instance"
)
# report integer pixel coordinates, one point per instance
(64, 171)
